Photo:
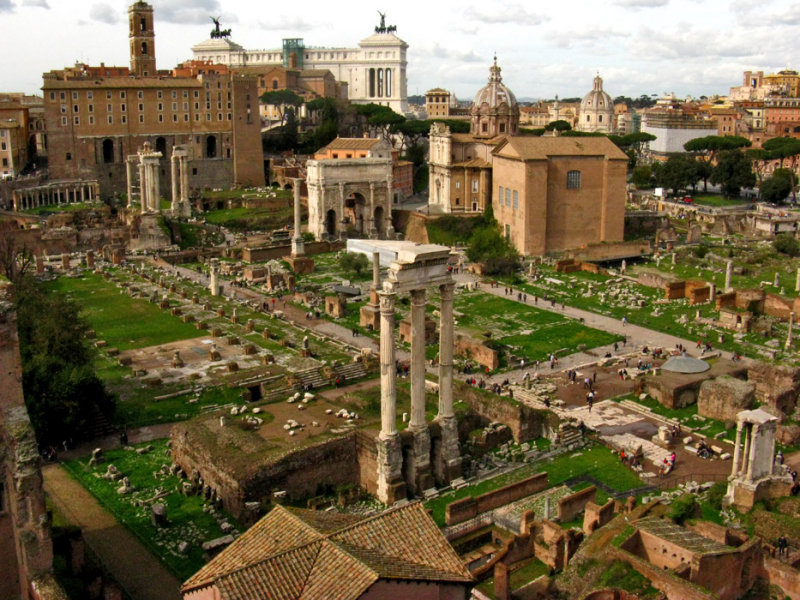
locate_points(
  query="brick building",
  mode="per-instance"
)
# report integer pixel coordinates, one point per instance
(97, 116)
(557, 193)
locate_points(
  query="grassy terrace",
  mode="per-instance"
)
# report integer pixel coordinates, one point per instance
(597, 461)
(717, 200)
(56, 208)
(123, 322)
(187, 521)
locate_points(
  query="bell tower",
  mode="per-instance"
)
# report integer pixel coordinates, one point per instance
(142, 39)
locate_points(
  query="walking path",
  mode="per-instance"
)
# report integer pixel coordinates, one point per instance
(132, 565)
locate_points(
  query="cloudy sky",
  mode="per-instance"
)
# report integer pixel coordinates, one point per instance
(545, 48)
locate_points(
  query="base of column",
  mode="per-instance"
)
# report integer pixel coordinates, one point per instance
(391, 486)
(298, 247)
(447, 462)
(185, 209)
(301, 265)
(419, 471)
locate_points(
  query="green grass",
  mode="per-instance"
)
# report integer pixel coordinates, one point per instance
(531, 571)
(621, 575)
(123, 322)
(187, 520)
(266, 218)
(59, 208)
(715, 200)
(194, 236)
(597, 461)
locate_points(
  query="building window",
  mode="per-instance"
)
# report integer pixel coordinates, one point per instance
(91, 119)
(109, 108)
(141, 107)
(160, 118)
(508, 197)
(159, 94)
(91, 108)
(160, 106)
(174, 106)
(89, 95)
(174, 118)
(74, 95)
(500, 195)
(573, 180)
(108, 94)
(122, 94)
(52, 96)
(110, 119)
(141, 118)
(77, 120)
(69, 155)
(458, 185)
(62, 95)
(75, 108)
(174, 93)
(124, 119)
(516, 200)
(474, 185)
(140, 94)
(64, 121)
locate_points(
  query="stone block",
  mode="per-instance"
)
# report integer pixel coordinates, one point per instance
(724, 397)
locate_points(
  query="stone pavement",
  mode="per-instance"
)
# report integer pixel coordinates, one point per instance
(136, 570)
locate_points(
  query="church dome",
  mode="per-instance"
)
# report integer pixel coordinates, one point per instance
(597, 98)
(495, 110)
(596, 113)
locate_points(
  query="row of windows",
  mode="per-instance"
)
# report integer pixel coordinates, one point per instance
(124, 119)
(507, 195)
(475, 185)
(123, 95)
(140, 106)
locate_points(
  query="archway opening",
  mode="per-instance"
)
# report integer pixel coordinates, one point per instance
(211, 146)
(108, 151)
(330, 222)
(378, 220)
(354, 208)
(161, 146)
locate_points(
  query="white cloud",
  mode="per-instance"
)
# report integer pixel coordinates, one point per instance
(642, 3)
(510, 14)
(36, 3)
(587, 38)
(196, 12)
(6, 5)
(284, 23)
(105, 13)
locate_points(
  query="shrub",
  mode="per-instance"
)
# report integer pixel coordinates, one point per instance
(682, 508)
(700, 251)
(786, 244)
(355, 263)
(716, 493)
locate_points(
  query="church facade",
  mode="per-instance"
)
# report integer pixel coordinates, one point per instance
(375, 71)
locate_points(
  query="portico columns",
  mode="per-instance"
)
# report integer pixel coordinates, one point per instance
(420, 466)
(737, 449)
(752, 457)
(390, 486)
(142, 187)
(448, 462)
(156, 195)
(129, 182)
(298, 248)
(184, 180)
(174, 182)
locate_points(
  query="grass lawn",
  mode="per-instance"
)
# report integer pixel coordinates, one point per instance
(716, 200)
(264, 218)
(123, 322)
(57, 208)
(196, 235)
(532, 570)
(187, 521)
(597, 461)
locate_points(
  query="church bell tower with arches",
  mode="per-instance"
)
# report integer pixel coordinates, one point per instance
(142, 39)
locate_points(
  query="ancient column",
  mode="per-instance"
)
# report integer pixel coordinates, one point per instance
(737, 450)
(712, 293)
(448, 463)
(373, 225)
(376, 270)
(752, 454)
(142, 186)
(174, 182)
(212, 280)
(388, 213)
(390, 456)
(420, 469)
(298, 248)
(797, 282)
(388, 369)
(184, 179)
(745, 450)
(83, 191)
(728, 274)
(156, 199)
(789, 335)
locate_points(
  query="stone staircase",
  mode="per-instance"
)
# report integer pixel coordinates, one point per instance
(643, 410)
(528, 398)
(312, 378)
(351, 371)
(568, 435)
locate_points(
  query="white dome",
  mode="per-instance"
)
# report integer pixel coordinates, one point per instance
(597, 98)
(495, 92)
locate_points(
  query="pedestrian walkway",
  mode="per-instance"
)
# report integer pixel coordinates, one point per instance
(132, 566)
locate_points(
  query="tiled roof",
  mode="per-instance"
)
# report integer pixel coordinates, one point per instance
(529, 147)
(309, 555)
(352, 144)
(475, 163)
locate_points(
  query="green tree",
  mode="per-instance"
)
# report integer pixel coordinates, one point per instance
(289, 137)
(352, 262)
(707, 149)
(62, 391)
(413, 131)
(782, 148)
(733, 172)
(560, 125)
(678, 173)
(786, 244)
(776, 188)
(642, 177)
(282, 100)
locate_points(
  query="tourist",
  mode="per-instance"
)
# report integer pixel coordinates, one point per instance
(123, 438)
(779, 458)
(616, 346)
(525, 298)
(624, 321)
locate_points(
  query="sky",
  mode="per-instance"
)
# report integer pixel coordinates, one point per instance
(695, 47)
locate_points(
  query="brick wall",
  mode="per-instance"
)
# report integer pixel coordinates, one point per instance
(783, 575)
(477, 351)
(596, 516)
(571, 506)
(461, 510)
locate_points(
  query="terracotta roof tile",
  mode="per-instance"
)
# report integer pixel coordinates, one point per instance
(352, 143)
(311, 555)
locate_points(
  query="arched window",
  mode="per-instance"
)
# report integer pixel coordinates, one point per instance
(161, 146)
(274, 84)
(599, 118)
(108, 151)
(573, 180)
(143, 24)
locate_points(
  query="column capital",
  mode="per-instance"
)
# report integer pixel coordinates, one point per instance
(447, 291)
(386, 300)
(418, 297)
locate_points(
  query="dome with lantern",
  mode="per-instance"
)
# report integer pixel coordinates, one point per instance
(495, 110)
(597, 110)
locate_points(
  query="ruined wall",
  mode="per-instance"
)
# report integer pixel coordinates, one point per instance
(784, 576)
(26, 547)
(477, 351)
(724, 397)
(653, 279)
(461, 510)
(265, 253)
(525, 423)
(726, 300)
(728, 573)
(571, 506)
(775, 385)
(777, 306)
(596, 516)
(752, 300)
(367, 452)
(674, 290)
(416, 227)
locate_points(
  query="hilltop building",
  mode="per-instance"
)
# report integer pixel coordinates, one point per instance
(373, 72)
(98, 116)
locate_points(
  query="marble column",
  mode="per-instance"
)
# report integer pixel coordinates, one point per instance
(745, 466)
(752, 454)
(184, 179)
(797, 282)
(142, 187)
(420, 470)
(373, 226)
(737, 451)
(298, 248)
(712, 293)
(83, 196)
(389, 229)
(388, 369)
(447, 464)
(174, 182)
(789, 334)
(728, 274)
(156, 188)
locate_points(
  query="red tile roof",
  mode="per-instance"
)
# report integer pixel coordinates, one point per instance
(303, 554)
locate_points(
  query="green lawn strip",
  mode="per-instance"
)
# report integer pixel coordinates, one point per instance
(715, 200)
(597, 461)
(123, 322)
(264, 218)
(621, 575)
(187, 521)
(532, 570)
(60, 208)
(140, 409)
